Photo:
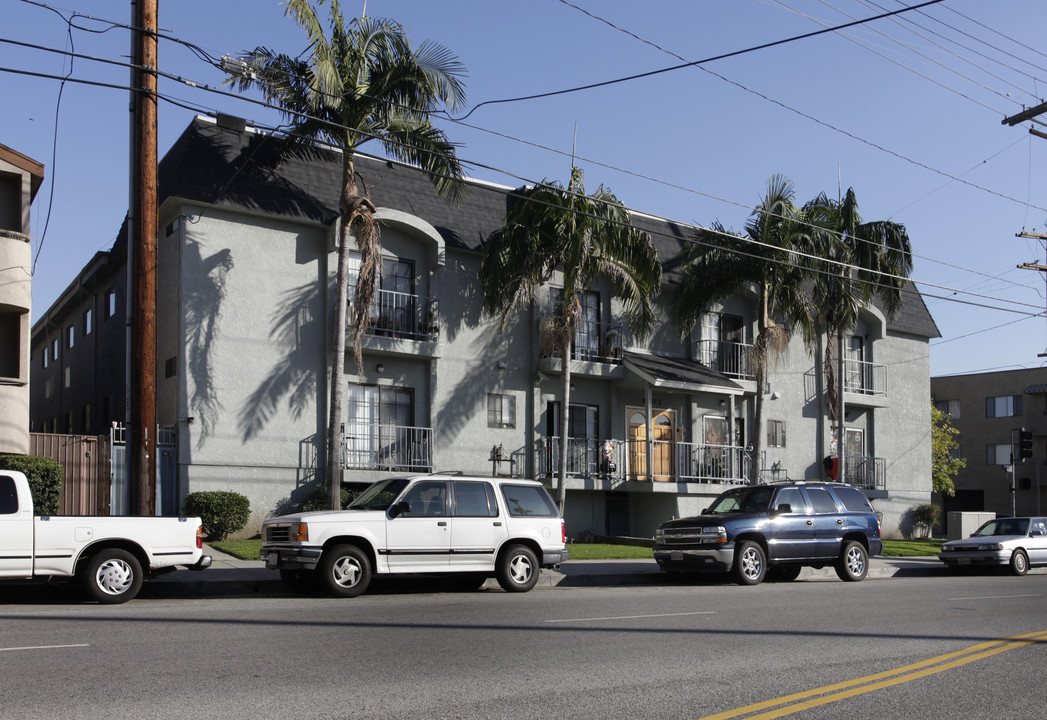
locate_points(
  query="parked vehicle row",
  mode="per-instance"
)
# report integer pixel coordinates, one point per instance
(474, 528)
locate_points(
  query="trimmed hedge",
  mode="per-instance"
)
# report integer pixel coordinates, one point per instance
(220, 512)
(45, 477)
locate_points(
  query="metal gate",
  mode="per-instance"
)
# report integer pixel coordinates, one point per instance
(166, 491)
(95, 474)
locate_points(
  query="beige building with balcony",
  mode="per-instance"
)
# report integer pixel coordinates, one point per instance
(658, 427)
(989, 409)
(20, 178)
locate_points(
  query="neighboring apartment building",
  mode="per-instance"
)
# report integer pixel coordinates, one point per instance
(20, 178)
(989, 409)
(658, 427)
(79, 351)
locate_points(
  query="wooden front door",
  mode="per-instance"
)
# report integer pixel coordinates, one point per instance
(663, 434)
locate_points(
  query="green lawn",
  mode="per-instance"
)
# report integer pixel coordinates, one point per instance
(248, 549)
(911, 548)
(243, 549)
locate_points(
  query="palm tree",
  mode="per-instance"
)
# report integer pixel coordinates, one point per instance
(718, 263)
(550, 228)
(866, 260)
(363, 81)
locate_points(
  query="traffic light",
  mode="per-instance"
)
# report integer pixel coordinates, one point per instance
(1024, 444)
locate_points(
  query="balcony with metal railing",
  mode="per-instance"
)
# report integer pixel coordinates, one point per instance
(597, 350)
(370, 446)
(669, 461)
(728, 358)
(404, 316)
(867, 473)
(865, 378)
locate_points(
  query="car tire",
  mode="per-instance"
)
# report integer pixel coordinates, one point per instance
(518, 569)
(784, 573)
(344, 571)
(1019, 562)
(112, 576)
(750, 563)
(853, 564)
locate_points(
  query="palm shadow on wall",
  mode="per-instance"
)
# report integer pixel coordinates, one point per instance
(297, 331)
(203, 310)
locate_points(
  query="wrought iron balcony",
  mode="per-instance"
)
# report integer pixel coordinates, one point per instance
(596, 342)
(868, 473)
(730, 358)
(403, 315)
(865, 378)
(369, 446)
(628, 460)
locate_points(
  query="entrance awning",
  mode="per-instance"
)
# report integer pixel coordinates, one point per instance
(675, 373)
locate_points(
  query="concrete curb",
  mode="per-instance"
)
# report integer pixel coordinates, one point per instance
(229, 577)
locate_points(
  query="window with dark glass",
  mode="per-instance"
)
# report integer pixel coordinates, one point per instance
(473, 499)
(821, 500)
(501, 411)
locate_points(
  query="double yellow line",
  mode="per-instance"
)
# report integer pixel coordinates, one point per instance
(859, 686)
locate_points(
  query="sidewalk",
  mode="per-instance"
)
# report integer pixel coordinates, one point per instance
(231, 577)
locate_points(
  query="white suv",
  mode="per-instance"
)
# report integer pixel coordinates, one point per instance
(443, 523)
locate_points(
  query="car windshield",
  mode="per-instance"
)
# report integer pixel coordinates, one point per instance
(1005, 526)
(380, 495)
(747, 499)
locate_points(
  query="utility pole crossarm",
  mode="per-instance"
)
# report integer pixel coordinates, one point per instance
(1027, 114)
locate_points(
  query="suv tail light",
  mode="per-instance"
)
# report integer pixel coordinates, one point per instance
(199, 537)
(563, 532)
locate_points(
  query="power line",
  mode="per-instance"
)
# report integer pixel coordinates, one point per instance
(532, 181)
(724, 56)
(196, 85)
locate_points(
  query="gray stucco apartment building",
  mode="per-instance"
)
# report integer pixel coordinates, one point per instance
(657, 428)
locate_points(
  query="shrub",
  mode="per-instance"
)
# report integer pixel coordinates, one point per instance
(317, 500)
(925, 516)
(45, 480)
(220, 512)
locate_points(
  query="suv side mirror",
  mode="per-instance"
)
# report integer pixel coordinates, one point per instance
(783, 509)
(399, 508)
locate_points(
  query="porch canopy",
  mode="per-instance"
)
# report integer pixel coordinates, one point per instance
(676, 373)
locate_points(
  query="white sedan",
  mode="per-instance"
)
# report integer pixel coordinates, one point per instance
(1017, 542)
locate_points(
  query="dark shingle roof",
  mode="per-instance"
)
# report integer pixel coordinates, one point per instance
(227, 167)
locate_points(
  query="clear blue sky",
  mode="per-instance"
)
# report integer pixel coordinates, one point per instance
(907, 111)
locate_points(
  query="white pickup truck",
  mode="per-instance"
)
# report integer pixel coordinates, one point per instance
(109, 555)
(471, 527)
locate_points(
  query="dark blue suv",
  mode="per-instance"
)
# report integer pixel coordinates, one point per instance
(772, 531)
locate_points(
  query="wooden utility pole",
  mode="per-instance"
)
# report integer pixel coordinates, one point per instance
(143, 229)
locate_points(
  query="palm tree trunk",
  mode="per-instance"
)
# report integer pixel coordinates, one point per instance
(565, 415)
(334, 420)
(760, 346)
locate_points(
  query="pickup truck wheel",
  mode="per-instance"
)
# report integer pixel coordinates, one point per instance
(344, 571)
(750, 563)
(1019, 562)
(853, 564)
(112, 576)
(518, 569)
